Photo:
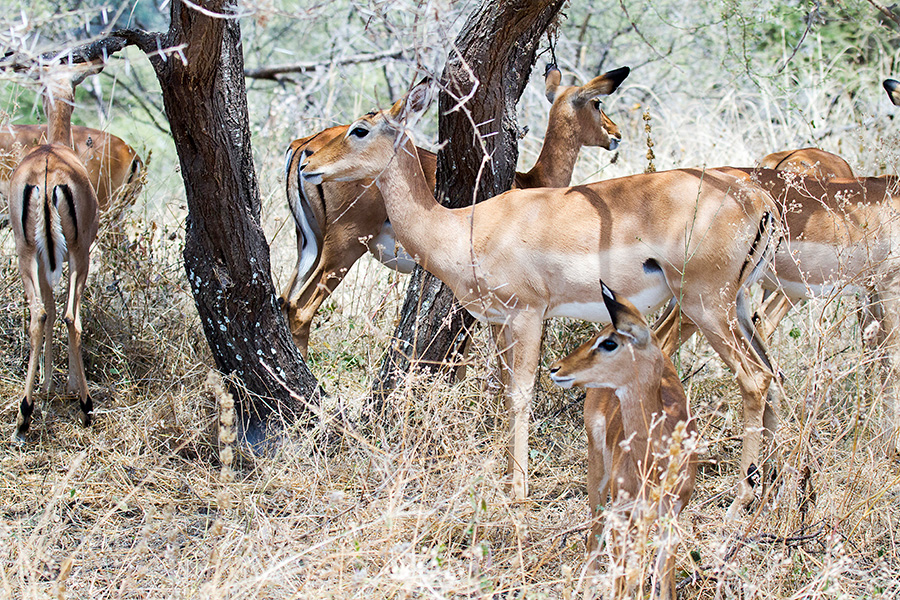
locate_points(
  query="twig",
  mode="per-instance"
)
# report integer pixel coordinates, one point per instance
(274, 72)
(809, 21)
(886, 12)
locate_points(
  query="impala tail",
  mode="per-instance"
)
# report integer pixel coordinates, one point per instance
(310, 236)
(40, 218)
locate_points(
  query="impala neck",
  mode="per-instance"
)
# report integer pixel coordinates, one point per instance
(642, 408)
(433, 234)
(58, 110)
(556, 161)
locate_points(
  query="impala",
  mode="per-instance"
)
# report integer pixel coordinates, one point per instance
(53, 213)
(337, 222)
(110, 162)
(640, 435)
(842, 238)
(811, 162)
(527, 255)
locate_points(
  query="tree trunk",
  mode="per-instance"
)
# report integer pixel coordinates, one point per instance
(497, 50)
(226, 255)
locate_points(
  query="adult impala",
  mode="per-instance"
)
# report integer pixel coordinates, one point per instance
(528, 255)
(813, 162)
(110, 162)
(337, 222)
(640, 438)
(810, 162)
(53, 213)
(842, 237)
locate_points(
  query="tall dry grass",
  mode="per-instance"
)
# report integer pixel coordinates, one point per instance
(156, 501)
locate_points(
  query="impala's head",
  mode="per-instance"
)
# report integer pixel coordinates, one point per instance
(369, 143)
(620, 353)
(580, 109)
(892, 87)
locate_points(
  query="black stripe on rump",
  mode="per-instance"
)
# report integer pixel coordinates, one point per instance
(760, 231)
(26, 205)
(70, 204)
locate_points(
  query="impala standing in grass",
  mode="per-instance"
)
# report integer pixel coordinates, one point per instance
(527, 255)
(640, 437)
(53, 213)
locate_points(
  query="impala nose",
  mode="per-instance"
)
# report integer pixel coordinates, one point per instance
(614, 142)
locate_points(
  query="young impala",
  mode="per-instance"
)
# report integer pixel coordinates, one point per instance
(527, 255)
(337, 222)
(53, 215)
(639, 430)
(110, 162)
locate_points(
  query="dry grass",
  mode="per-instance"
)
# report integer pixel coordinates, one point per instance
(148, 504)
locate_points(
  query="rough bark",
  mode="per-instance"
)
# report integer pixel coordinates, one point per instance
(497, 50)
(226, 255)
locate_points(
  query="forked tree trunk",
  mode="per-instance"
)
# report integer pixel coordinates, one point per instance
(226, 255)
(497, 50)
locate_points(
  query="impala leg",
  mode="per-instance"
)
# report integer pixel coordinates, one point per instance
(673, 328)
(664, 568)
(29, 271)
(337, 258)
(772, 311)
(78, 271)
(753, 378)
(597, 478)
(522, 339)
(50, 321)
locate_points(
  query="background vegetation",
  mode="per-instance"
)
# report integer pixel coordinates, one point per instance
(148, 504)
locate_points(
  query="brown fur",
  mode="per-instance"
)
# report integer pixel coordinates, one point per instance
(36, 192)
(527, 255)
(350, 215)
(637, 417)
(110, 162)
(811, 162)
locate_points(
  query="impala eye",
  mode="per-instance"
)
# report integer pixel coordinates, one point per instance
(609, 344)
(597, 104)
(359, 132)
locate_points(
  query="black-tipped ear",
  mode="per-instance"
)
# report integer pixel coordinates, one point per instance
(625, 317)
(414, 103)
(602, 85)
(892, 87)
(613, 306)
(552, 79)
(617, 76)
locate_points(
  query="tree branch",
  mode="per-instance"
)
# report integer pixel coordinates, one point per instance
(303, 67)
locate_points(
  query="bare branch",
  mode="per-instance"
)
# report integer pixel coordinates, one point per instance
(810, 18)
(887, 12)
(274, 72)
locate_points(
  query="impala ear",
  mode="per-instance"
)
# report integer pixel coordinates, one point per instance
(416, 102)
(603, 85)
(892, 87)
(626, 318)
(82, 70)
(552, 79)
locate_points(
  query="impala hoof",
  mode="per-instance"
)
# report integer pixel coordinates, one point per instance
(87, 406)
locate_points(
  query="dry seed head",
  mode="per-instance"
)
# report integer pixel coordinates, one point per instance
(651, 168)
